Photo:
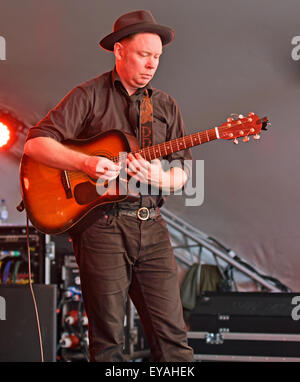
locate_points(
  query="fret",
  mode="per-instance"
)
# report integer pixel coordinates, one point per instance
(159, 150)
(207, 135)
(194, 138)
(199, 136)
(165, 148)
(177, 144)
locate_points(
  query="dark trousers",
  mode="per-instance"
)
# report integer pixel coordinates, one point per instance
(121, 255)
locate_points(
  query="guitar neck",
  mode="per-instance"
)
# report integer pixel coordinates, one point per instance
(178, 144)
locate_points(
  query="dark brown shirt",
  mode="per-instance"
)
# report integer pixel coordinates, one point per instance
(102, 104)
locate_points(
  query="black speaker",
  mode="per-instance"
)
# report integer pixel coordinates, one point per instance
(19, 340)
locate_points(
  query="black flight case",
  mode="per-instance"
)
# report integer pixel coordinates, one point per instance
(246, 326)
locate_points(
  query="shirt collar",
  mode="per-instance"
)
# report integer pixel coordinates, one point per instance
(117, 80)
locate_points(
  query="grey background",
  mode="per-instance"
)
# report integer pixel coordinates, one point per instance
(228, 57)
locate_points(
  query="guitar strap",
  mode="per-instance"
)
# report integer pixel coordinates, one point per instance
(146, 121)
(145, 125)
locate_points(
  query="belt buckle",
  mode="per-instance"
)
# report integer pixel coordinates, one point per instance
(143, 213)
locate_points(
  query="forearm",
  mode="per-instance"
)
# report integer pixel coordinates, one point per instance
(53, 154)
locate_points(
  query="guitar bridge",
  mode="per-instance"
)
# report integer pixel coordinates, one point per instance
(66, 184)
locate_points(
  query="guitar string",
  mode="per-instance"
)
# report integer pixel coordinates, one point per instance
(162, 149)
(175, 144)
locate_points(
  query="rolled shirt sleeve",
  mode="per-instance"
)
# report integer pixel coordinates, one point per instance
(66, 120)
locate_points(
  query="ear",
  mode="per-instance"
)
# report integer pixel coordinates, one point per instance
(118, 51)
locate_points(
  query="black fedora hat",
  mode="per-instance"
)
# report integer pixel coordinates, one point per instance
(140, 21)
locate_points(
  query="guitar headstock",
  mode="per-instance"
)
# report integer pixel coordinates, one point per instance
(243, 127)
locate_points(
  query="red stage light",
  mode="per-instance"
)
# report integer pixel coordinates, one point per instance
(9, 130)
(5, 135)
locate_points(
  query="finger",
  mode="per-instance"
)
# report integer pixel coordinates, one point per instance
(136, 157)
(108, 177)
(137, 175)
(132, 170)
(112, 172)
(133, 164)
(108, 174)
(142, 160)
(137, 170)
(138, 164)
(106, 163)
(139, 156)
(107, 166)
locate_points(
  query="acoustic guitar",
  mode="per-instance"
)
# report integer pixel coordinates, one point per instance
(57, 200)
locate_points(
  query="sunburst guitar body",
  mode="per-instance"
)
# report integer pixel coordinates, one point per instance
(56, 200)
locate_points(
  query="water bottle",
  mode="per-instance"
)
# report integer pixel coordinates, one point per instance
(3, 212)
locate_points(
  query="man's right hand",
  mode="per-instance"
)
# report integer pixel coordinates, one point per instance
(52, 153)
(101, 167)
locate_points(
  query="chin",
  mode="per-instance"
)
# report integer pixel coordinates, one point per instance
(141, 84)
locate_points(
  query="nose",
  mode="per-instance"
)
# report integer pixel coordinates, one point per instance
(151, 63)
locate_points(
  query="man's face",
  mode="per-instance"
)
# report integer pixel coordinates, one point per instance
(137, 60)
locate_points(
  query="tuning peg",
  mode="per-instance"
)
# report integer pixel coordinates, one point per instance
(235, 141)
(256, 136)
(246, 138)
(265, 123)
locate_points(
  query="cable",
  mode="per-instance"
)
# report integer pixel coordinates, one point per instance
(6, 271)
(16, 270)
(32, 293)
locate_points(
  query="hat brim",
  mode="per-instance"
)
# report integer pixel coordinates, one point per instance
(166, 34)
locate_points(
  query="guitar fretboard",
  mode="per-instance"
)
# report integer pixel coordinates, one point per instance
(163, 149)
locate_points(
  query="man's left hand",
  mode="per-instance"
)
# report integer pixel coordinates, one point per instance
(153, 173)
(144, 171)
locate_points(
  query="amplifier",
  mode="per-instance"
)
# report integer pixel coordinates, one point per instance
(18, 235)
(13, 254)
(18, 326)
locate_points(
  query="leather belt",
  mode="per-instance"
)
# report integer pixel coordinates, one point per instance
(143, 213)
